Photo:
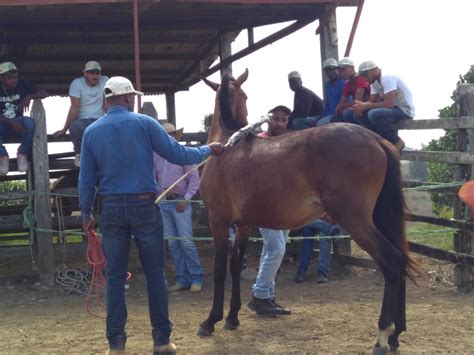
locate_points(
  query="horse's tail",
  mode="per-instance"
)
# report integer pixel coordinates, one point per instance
(390, 211)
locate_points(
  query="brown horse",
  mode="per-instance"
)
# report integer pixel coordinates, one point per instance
(343, 169)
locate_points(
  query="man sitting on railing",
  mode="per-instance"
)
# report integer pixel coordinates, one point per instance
(390, 101)
(87, 105)
(15, 98)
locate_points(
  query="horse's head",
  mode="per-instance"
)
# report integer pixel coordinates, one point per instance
(230, 112)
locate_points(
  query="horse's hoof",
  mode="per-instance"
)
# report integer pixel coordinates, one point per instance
(231, 326)
(378, 350)
(203, 332)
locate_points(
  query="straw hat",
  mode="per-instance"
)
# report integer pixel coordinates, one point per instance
(170, 128)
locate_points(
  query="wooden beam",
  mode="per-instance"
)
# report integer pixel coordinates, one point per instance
(438, 157)
(440, 123)
(260, 44)
(439, 254)
(171, 108)
(452, 223)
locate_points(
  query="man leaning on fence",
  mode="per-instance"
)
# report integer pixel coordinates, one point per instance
(117, 160)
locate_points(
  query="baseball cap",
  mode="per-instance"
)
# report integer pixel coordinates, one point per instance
(367, 65)
(118, 85)
(92, 65)
(330, 63)
(294, 74)
(345, 62)
(6, 67)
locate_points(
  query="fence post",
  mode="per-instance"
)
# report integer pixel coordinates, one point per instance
(44, 240)
(464, 240)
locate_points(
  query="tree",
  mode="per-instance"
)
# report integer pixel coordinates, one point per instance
(441, 172)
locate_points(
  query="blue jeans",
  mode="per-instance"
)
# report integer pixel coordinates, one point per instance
(76, 130)
(380, 121)
(273, 251)
(123, 216)
(324, 262)
(184, 252)
(304, 122)
(26, 138)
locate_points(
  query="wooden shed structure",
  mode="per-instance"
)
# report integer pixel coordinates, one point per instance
(162, 45)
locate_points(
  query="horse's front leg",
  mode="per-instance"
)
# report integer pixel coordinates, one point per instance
(220, 234)
(238, 252)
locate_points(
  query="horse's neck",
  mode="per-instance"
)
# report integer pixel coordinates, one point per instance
(216, 132)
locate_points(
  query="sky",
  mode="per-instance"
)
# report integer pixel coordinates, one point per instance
(426, 43)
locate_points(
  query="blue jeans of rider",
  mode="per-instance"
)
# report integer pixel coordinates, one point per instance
(273, 251)
(324, 263)
(26, 138)
(121, 217)
(380, 121)
(184, 252)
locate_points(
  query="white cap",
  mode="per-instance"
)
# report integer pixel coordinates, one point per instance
(294, 74)
(6, 67)
(330, 63)
(367, 65)
(345, 62)
(118, 85)
(92, 65)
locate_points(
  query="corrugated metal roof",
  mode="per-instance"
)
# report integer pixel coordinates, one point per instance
(178, 40)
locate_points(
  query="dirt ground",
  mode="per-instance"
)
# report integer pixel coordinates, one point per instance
(337, 317)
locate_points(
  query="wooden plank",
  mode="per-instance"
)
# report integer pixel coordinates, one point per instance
(440, 123)
(171, 108)
(439, 157)
(13, 195)
(45, 257)
(452, 223)
(439, 254)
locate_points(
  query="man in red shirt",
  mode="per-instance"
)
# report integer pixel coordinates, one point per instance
(355, 88)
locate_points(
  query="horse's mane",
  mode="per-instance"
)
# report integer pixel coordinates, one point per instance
(227, 120)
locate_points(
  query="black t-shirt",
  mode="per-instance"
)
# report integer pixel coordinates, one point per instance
(306, 104)
(10, 99)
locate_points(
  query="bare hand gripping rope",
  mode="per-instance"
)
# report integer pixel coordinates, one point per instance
(233, 140)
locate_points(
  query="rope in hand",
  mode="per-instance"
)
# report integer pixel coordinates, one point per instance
(95, 257)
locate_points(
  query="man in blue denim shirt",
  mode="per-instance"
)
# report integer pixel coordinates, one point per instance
(117, 159)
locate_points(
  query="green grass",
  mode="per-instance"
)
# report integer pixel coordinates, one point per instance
(431, 235)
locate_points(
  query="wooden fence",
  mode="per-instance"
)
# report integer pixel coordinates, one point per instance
(61, 164)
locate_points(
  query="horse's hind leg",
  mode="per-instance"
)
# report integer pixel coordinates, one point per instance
(390, 261)
(220, 233)
(238, 252)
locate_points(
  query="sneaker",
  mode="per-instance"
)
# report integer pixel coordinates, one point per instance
(77, 160)
(22, 162)
(4, 161)
(284, 311)
(195, 288)
(177, 288)
(169, 348)
(264, 306)
(299, 277)
(321, 279)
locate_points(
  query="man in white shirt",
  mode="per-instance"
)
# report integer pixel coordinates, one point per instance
(390, 101)
(87, 105)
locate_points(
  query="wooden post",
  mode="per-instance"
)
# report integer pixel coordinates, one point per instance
(328, 39)
(464, 240)
(170, 108)
(225, 50)
(329, 49)
(44, 239)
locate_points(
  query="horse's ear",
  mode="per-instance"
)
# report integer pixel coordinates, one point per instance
(243, 77)
(209, 83)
